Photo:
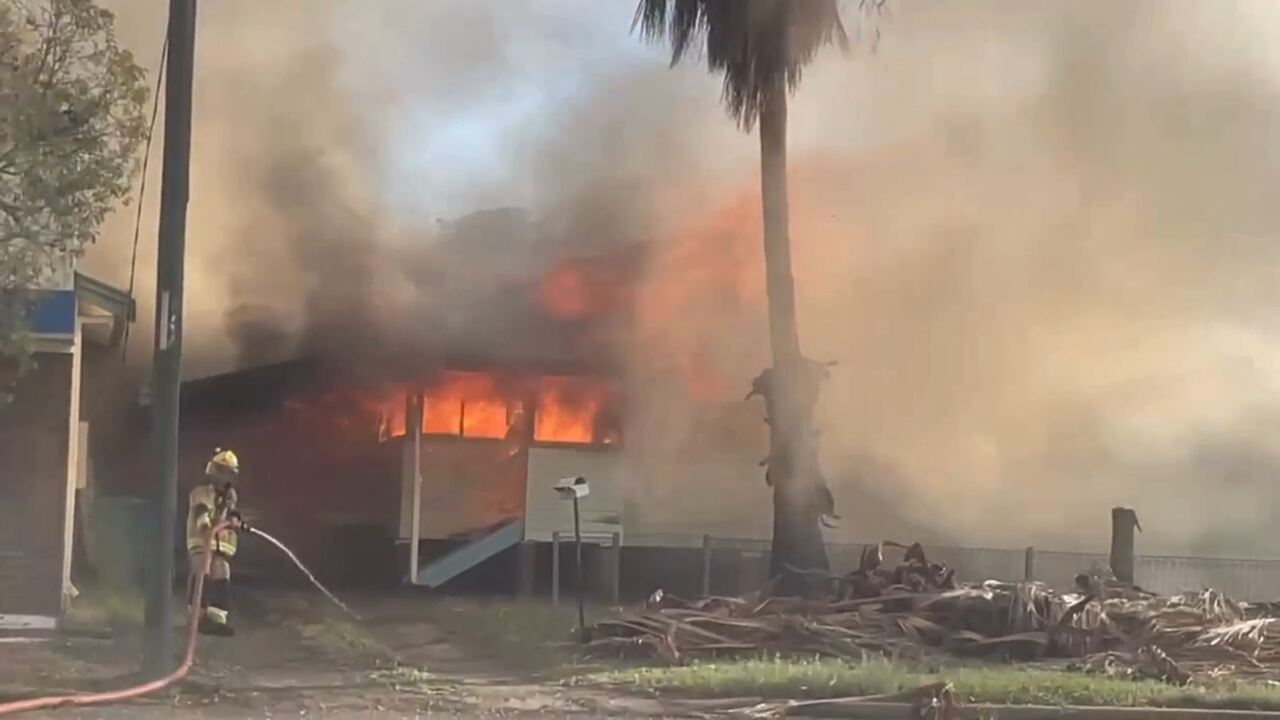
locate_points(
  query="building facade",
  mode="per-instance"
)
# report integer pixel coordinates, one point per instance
(44, 446)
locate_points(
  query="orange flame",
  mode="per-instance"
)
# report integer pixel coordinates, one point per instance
(479, 405)
(587, 287)
(565, 294)
(468, 404)
(712, 269)
(571, 410)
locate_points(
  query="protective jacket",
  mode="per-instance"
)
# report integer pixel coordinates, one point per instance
(209, 506)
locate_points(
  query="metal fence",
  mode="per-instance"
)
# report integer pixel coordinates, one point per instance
(1242, 579)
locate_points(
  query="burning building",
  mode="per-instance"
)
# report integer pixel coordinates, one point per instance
(511, 366)
(332, 443)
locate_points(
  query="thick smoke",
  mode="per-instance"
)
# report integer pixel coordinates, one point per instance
(333, 149)
(1050, 285)
(1037, 237)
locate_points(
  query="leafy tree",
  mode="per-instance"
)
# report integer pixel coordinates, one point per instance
(761, 47)
(71, 119)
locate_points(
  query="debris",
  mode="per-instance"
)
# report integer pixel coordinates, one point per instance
(917, 608)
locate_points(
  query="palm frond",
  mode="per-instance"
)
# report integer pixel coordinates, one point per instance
(753, 43)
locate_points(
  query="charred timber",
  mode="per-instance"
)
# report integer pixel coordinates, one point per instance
(802, 498)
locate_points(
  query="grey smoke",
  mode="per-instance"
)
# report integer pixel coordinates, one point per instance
(1039, 238)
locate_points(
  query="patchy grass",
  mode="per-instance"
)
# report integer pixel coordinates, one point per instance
(525, 636)
(814, 679)
(406, 679)
(101, 606)
(322, 629)
(341, 639)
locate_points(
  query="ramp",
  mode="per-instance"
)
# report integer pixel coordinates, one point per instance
(441, 570)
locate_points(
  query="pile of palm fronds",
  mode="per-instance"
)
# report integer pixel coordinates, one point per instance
(917, 609)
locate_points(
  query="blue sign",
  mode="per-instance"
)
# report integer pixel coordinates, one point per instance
(54, 312)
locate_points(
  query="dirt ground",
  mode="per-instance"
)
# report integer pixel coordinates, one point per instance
(296, 656)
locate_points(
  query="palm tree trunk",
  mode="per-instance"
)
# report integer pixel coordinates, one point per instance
(793, 462)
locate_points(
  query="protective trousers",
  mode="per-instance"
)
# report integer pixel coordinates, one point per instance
(215, 601)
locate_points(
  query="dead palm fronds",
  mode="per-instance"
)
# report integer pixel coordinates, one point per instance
(1176, 639)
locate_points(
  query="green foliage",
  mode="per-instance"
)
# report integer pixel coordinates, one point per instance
(71, 120)
(753, 43)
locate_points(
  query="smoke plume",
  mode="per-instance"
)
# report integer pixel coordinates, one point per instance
(1038, 239)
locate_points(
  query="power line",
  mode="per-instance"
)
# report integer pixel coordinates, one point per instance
(142, 187)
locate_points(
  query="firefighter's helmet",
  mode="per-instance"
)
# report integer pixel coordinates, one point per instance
(224, 464)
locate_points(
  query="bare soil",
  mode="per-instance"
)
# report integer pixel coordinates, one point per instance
(294, 655)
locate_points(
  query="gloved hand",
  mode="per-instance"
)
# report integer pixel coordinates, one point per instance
(237, 521)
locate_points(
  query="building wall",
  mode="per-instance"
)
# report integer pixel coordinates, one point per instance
(671, 501)
(469, 485)
(602, 508)
(33, 488)
(328, 491)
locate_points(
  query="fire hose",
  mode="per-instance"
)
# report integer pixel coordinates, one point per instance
(188, 660)
(298, 563)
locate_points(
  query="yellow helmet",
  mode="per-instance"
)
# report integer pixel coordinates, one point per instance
(223, 464)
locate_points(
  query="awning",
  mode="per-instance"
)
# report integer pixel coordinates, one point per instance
(105, 311)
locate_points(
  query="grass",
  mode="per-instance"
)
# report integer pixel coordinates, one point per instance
(814, 679)
(406, 679)
(98, 605)
(525, 636)
(340, 638)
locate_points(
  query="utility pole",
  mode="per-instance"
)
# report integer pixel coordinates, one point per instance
(166, 369)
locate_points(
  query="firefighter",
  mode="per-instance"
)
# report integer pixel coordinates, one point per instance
(211, 504)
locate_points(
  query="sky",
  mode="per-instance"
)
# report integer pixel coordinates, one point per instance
(544, 58)
(453, 126)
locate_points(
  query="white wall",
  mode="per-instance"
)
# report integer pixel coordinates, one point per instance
(545, 512)
(675, 502)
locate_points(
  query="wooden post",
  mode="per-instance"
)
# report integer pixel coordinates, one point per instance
(706, 565)
(580, 580)
(555, 568)
(1123, 555)
(1029, 565)
(413, 425)
(737, 561)
(616, 571)
(526, 569)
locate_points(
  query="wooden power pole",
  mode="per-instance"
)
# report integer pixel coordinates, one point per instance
(166, 369)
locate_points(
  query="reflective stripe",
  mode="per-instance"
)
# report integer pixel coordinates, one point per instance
(221, 545)
(220, 548)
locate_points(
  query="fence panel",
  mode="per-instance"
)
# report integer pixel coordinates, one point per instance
(1249, 580)
(1058, 569)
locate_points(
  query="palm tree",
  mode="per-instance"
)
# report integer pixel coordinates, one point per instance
(761, 47)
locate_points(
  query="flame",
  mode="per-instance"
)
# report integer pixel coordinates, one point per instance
(469, 404)
(571, 410)
(568, 409)
(566, 294)
(587, 287)
(710, 272)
